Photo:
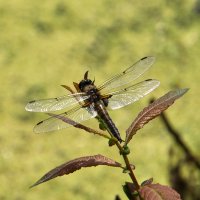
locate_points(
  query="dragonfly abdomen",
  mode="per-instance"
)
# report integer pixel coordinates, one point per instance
(103, 114)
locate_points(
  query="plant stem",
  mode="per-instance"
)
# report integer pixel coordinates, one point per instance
(126, 160)
(131, 174)
(128, 166)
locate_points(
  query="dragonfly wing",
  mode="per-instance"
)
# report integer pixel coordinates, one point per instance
(78, 114)
(54, 104)
(131, 94)
(128, 75)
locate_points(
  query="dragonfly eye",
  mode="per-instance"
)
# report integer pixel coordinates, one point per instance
(84, 83)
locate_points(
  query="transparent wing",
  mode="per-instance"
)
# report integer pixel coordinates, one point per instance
(78, 114)
(131, 94)
(128, 75)
(53, 104)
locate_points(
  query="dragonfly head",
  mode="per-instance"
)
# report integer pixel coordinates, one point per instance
(86, 84)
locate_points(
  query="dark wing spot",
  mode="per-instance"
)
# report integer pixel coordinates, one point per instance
(32, 101)
(149, 80)
(143, 58)
(56, 99)
(39, 123)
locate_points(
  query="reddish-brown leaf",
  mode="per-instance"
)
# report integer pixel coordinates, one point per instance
(78, 125)
(76, 164)
(152, 111)
(158, 192)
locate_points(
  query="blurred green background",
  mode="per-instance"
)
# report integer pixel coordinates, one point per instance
(44, 44)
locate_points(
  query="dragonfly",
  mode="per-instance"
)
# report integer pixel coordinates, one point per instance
(90, 101)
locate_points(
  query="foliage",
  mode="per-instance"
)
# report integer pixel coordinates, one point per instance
(145, 191)
(153, 111)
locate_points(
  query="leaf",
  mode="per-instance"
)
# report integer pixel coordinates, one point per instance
(130, 191)
(147, 182)
(152, 111)
(158, 192)
(78, 125)
(76, 164)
